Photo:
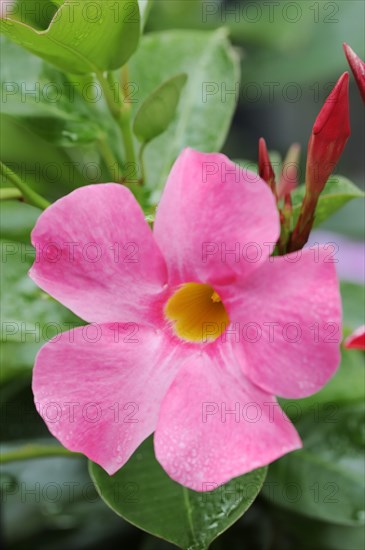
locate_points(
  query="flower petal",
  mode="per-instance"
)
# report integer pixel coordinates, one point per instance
(288, 317)
(214, 426)
(97, 256)
(213, 220)
(99, 388)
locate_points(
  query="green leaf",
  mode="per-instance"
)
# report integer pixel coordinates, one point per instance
(346, 387)
(353, 303)
(247, 165)
(36, 13)
(31, 319)
(83, 37)
(337, 192)
(46, 100)
(143, 494)
(203, 117)
(349, 221)
(39, 163)
(304, 533)
(329, 423)
(157, 111)
(17, 221)
(65, 111)
(63, 511)
(324, 480)
(144, 10)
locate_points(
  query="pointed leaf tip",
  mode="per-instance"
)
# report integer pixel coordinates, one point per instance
(336, 107)
(358, 68)
(266, 171)
(159, 109)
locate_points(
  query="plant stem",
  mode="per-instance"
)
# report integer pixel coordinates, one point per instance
(29, 195)
(109, 159)
(124, 81)
(29, 452)
(131, 161)
(10, 193)
(112, 102)
(141, 162)
(122, 114)
(304, 225)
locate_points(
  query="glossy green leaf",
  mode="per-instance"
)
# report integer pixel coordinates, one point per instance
(83, 37)
(324, 480)
(205, 108)
(337, 192)
(36, 13)
(157, 111)
(143, 494)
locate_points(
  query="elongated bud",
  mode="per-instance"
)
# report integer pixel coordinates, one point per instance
(330, 133)
(358, 68)
(266, 171)
(289, 171)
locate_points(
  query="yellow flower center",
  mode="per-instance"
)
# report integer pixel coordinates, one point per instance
(197, 313)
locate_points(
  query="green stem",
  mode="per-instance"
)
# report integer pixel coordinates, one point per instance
(112, 102)
(122, 115)
(10, 193)
(141, 162)
(29, 195)
(130, 155)
(30, 452)
(109, 159)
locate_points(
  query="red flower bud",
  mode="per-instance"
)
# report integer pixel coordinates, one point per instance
(357, 67)
(357, 339)
(266, 171)
(330, 133)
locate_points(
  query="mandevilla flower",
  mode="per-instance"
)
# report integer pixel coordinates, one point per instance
(356, 340)
(358, 68)
(195, 328)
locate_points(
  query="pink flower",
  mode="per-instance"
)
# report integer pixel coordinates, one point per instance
(356, 340)
(195, 328)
